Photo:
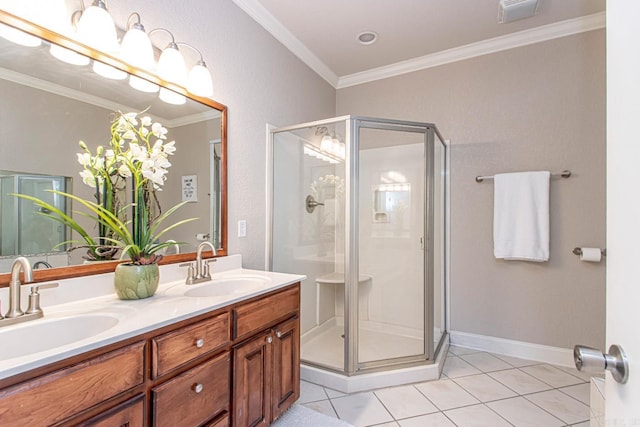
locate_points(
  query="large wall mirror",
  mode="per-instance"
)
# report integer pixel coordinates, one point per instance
(47, 106)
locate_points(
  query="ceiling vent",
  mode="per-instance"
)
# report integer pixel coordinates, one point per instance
(512, 10)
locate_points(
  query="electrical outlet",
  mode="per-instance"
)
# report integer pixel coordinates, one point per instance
(242, 228)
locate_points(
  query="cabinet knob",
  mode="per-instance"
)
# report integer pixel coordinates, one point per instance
(279, 334)
(269, 339)
(197, 387)
(199, 343)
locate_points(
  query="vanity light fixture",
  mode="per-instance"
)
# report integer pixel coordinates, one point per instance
(171, 68)
(96, 29)
(19, 37)
(136, 49)
(199, 81)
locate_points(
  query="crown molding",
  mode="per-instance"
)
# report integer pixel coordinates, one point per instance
(255, 10)
(497, 44)
(522, 38)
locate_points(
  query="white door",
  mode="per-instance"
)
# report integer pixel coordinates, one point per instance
(623, 205)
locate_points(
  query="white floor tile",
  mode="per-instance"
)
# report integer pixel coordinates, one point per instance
(405, 402)
(310, 392)
(454, 349)
(484, 388)
(391, 424)
(516, 362)
(551, 375)
(485, 362)
(432, 420)
(520, 412)
(580, 392)
(455, 367)
(476, 416)
(361, 409)
(560, 405)
(446, 394)
(333, 393)
(322, 406)
(520, 382)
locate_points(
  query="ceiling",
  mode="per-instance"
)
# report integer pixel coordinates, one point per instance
(412, 34)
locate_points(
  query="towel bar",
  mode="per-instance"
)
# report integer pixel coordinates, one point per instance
(563, 174)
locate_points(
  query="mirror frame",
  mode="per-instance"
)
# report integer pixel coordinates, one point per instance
(86, 270)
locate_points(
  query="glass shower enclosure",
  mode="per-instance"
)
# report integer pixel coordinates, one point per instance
(357, 204)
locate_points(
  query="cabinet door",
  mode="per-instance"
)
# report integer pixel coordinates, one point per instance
(252, 382)
(286, 366)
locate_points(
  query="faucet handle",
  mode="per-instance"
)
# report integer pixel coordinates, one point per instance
(34, 297)
(189, 265)
(206, 268)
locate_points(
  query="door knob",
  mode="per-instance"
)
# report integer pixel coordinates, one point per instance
(593, 360)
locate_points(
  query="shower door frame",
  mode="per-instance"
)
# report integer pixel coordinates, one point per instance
(352, 365)
(353, 123)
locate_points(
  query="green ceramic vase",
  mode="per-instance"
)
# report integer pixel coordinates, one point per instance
(136, 281)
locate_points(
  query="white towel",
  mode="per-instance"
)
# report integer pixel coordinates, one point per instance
(521, 216)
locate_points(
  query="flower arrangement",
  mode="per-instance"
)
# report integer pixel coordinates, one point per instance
(137, 152)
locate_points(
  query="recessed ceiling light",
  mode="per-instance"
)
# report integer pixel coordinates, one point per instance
(367, 37)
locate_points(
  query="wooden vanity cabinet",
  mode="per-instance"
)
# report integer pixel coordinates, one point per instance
(266, 373)
(236, 365)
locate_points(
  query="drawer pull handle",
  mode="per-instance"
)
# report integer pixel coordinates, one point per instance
(197, 387)
(199, 343)
(269, 339)
(279, 334)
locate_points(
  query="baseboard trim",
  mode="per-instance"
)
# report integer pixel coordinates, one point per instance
(523, 350)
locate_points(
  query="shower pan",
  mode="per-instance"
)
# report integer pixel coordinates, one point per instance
(358, 205)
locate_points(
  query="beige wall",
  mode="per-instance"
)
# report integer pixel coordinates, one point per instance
(258, 79)
(539, 107)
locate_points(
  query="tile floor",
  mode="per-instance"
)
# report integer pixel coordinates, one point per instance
(476, 389)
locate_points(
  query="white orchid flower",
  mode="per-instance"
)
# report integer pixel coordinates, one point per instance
(159, 131)
(88, 178)
(146, 121)
(84, 159)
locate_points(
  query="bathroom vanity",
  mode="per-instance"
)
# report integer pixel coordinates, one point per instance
(171, 360)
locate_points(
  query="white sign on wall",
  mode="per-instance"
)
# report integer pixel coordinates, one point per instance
(190, 188)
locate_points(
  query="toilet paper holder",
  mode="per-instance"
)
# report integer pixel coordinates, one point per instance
(578, 251)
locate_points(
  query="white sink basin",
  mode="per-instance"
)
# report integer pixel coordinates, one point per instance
(228, 286)
(44, 334)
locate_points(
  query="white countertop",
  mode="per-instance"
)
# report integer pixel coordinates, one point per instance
(94, 296)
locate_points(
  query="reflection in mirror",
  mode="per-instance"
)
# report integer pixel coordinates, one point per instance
(48, 106)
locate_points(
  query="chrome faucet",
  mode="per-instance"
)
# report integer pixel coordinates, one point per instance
(201, 272)
(15, 313)
(202, 266)
(19, 264)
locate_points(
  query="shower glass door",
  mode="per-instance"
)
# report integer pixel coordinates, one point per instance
(308, 231)
(392, 243)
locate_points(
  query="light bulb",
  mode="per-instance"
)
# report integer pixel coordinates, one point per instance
(136, 48)
(108, 71)
(19, 37)
(199, 81)
(96, 29)
(171, 97)
(326, 143)
(171, 65)
(68, 56)
(143, 85)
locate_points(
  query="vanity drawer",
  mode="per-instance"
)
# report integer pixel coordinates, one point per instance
(56, 396)
(256, 316)
(200, 394)
(185, 344)
(129, 414)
